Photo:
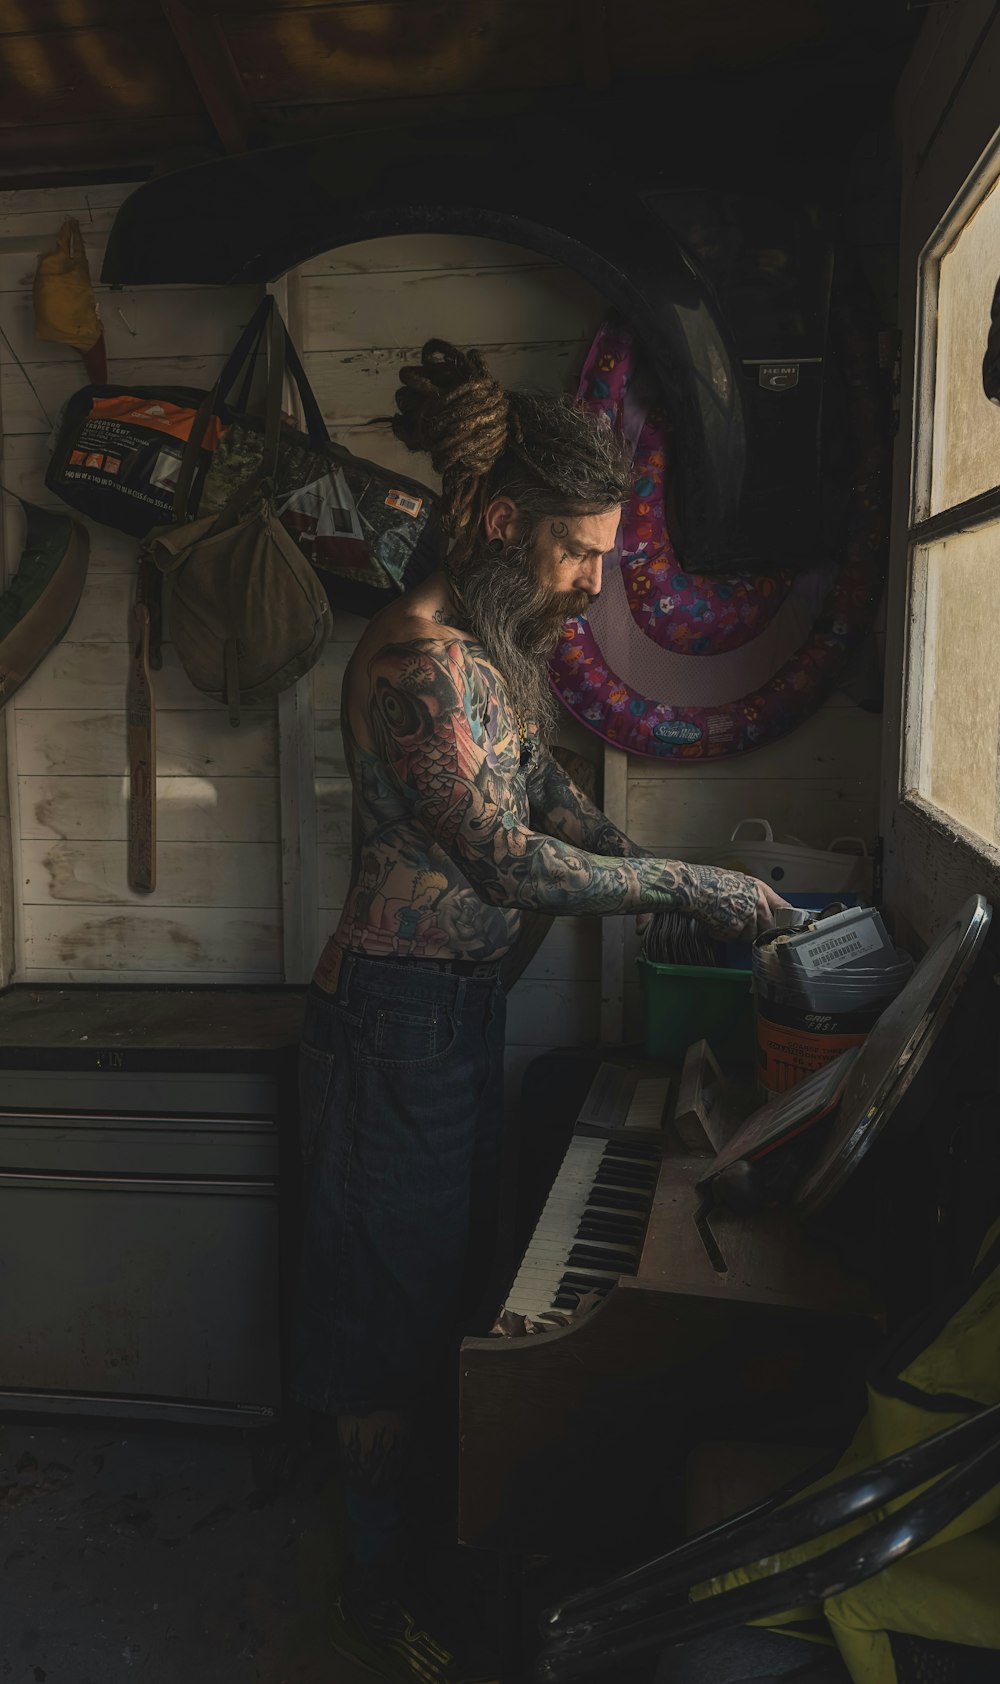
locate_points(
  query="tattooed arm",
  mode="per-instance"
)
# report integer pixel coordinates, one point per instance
(440, 726)
(560, 808)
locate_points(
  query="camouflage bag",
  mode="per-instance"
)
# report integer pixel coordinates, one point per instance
(351, 518)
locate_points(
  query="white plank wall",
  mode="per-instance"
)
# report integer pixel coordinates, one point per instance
(216, 912)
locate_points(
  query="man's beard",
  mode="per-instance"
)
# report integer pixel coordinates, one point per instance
(518, 621)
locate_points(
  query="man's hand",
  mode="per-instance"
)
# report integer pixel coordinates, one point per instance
(768, 902)
(735, 907)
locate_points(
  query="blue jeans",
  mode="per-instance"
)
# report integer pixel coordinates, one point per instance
(401, 1104)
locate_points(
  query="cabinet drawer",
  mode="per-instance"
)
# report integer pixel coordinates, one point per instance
(205, 1093)
(154, 1291)
(141, 1146)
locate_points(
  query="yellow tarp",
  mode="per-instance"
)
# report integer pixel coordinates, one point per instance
(950, 1589)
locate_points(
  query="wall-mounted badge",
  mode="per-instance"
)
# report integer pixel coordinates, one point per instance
(778, 377)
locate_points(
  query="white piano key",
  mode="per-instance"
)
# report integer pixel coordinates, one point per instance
(597, 1180)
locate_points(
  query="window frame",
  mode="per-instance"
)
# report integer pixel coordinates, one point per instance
(950, 147)
(923, 527)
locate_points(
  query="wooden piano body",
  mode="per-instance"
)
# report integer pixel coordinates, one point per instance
(744, 1324)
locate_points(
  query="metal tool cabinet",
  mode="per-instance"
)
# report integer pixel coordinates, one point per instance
(144, 1254)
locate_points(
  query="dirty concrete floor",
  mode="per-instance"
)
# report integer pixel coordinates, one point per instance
(142, 1555)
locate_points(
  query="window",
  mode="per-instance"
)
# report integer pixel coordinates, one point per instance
(952, 756)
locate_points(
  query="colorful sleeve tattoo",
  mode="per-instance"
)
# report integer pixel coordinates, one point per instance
(560, 809)
(441, 725)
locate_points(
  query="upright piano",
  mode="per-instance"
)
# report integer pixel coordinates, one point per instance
(691, 1322)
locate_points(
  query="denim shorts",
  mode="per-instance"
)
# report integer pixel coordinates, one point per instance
(401, 1106)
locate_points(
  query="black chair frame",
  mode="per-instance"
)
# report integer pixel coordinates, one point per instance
(624, 1619)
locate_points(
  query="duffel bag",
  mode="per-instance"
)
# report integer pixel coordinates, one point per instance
(119, 449)
(118, 453)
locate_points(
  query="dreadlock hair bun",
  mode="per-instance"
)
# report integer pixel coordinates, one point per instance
(451, 407)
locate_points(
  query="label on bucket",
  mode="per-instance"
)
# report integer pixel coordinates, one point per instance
(786, 1054)
(841, 947)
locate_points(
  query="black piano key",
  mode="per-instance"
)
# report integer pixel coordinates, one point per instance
(612, 1184)
(615, 1201)
(627, 1183)
(629, 1175)
(649, 1150)
(617, 1242)
(609, 1248)
(615, 1218)
(619, 1263)
(587, 1283)
(601, 1199)
(592, 1228)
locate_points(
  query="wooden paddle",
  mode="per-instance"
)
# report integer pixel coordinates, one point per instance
(141, 741)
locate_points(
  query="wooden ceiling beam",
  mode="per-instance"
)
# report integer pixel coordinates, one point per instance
(205, 50)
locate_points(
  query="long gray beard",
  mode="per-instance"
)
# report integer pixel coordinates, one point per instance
(518, 622)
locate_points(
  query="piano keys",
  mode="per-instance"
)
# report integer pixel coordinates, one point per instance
(698, 1314)
(591, 1231)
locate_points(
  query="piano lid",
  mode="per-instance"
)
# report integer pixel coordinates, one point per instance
(895, 1051)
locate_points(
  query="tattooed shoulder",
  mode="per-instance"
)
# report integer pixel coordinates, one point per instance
(423, 687)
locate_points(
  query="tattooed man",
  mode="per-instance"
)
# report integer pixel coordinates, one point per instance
(468, 837)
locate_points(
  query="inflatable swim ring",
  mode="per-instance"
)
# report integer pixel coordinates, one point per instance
(678, 666)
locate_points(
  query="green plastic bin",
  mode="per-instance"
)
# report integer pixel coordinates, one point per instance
(686, 1003)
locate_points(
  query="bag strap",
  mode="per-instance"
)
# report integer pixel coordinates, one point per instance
(264, 326)
(263, 480)
(277, 339)
(189, 460)
(312, 415)
(244, 352)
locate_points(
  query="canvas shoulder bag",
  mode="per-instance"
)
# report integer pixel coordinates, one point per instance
(247, 614)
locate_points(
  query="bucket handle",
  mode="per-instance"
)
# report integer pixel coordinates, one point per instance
(858, 852)
(768, 833)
